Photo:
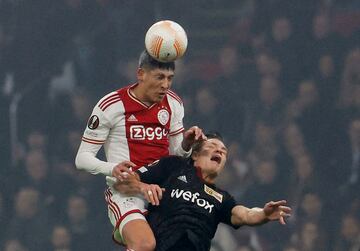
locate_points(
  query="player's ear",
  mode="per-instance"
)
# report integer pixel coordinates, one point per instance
(140, 74)
(195, 155)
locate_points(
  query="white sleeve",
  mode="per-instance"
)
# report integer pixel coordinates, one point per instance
(95, 135)
(175, 147)
(177, 116)
(86, 160)
(176, 127)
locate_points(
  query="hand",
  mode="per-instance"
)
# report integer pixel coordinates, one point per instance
(122, 170)
(130, 185)
(277, 211)
(192, 135)
(152, 193)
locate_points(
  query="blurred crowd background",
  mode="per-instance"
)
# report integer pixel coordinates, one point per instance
(280, 79)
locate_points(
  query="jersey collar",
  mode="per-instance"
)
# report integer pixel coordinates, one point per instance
(132, 96)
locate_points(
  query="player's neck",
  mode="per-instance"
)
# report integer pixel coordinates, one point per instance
(139, 94)
(204, 176)
(208, 178)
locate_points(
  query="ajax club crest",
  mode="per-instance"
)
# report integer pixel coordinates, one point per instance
(163, 116)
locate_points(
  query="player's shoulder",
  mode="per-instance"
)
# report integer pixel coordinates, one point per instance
(173, 159)
(113, 99)
(108, 100)
(173, 97)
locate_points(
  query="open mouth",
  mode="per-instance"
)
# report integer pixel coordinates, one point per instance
(216, 158)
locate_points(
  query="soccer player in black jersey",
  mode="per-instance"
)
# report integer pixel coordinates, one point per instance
(192, 206)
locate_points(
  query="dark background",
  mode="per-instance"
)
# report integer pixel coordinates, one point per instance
(279, 78)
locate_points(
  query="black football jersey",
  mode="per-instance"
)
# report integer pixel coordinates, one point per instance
(190, 209)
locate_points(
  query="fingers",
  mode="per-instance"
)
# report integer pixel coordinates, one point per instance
(195, 133)
(282, 221)
(277, 203)
(128, 164)
(150, 196)
(147, 193)
(198, 133)
(277, 210)
(285, 209)
(159, 192)
(282, 217)
(155, 198)
(192, 135)
(121, 175)
(153, 194)
(122, 170)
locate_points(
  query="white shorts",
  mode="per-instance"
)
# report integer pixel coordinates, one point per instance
(122, 209)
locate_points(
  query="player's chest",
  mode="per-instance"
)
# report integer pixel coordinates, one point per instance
(156, 114)
(147, 123)
(185, 190)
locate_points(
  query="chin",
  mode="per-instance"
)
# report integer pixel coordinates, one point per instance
(158, 100)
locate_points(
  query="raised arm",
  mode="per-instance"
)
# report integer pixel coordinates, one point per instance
(180, 144)
(272, 211)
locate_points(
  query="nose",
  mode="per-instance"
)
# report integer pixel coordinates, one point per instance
(218, 150)
(165, 84)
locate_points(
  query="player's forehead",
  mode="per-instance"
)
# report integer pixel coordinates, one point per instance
(215, 142)
(162, 71)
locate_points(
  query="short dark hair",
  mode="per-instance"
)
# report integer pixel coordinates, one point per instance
(211, 135)
(149, 63)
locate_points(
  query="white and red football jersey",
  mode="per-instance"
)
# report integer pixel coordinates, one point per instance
(131, 130)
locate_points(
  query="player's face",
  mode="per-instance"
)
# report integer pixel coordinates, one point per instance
(211, 158)
(156, 83)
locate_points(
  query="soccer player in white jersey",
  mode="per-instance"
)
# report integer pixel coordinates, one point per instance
(137, 125)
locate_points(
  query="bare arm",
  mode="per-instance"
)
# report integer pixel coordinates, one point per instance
(272, 211)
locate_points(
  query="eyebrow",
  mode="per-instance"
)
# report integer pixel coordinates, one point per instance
(160, 74)
(223, 147)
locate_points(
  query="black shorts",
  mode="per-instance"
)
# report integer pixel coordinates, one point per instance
(183, 244)
(183, 241)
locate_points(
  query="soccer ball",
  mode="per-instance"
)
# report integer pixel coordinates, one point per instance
(166, 41)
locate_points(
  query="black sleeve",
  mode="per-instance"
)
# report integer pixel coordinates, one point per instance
(159, 170)
(227, 206)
